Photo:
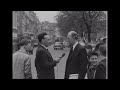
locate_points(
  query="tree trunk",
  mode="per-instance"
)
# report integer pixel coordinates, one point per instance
(89, 33)
(89, 37)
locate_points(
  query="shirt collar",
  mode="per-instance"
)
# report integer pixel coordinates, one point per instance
(22, 50)
(75, 45)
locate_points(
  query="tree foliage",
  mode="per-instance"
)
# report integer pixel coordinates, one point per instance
(80, 21)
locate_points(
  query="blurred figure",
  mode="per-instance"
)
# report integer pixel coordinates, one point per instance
(44, 62)
(91, 68)
(30, 51)
(82, 41)
(88, 48)
(101, 42)
(22, 61)
(76, 65)
(101, 69)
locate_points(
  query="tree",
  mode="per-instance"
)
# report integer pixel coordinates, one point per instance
(91, 19)
(79, 21)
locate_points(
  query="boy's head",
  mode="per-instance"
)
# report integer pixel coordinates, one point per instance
(93, 57)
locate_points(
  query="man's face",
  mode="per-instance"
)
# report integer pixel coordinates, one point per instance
(70, 40)
(46, 40)
(93, 59)
(28, 47)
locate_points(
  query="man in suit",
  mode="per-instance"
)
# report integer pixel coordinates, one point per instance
(44, 62)
(76, 65)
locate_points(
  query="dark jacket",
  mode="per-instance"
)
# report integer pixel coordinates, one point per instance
(77, 62)
(91, 69)
(97, 46)
(101, 70)
(44, 64)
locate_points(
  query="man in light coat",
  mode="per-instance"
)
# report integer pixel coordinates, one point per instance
(22, 62)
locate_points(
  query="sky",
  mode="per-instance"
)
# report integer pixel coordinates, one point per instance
(46, 15)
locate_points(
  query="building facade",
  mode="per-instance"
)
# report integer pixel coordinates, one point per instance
(24, 22)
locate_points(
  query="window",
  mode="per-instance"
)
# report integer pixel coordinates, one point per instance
(14, 19)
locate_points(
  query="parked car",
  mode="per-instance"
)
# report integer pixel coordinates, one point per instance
(58, 45)
(65, 44)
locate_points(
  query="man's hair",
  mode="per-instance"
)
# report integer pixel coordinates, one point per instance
(91, 53)
(74, 35)
(24, 42)
(41, 36)
(102, 50)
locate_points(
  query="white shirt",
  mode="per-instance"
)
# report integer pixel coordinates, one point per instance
(74, 45)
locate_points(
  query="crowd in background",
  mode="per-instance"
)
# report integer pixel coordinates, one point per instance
(96, 68)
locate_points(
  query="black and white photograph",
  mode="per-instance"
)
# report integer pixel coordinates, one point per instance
(59, 44)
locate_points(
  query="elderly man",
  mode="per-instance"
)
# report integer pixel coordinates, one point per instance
(22, 62)
(76, 65)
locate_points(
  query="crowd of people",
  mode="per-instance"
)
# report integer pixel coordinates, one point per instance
(82, 59)
(96, 68)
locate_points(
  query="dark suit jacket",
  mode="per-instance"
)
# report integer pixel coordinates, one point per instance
(77, 62)
(101, 70)
(44, 64)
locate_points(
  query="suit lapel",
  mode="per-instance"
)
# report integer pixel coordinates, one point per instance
(75, 51)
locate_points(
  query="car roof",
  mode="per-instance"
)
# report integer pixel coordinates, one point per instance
(58, 43)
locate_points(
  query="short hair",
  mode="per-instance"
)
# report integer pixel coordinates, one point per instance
(41, 36)
(74, 34)
(24, 42)
(91, 53)
(102, 50)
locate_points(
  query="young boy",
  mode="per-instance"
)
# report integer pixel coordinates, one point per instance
(101, 68)
(93, 62)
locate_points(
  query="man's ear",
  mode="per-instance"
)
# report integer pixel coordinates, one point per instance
(75, 37)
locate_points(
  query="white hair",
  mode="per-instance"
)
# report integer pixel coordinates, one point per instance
(73, 34)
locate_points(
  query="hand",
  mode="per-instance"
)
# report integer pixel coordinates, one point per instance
(57, 59)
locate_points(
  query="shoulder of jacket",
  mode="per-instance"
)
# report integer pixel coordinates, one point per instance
(40, 49)
(81, 47)
(103, 62)
(27, 56)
